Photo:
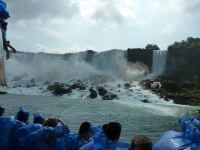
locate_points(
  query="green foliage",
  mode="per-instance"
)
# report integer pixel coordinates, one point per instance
(152, 47)
(190, 42)
(171, 86)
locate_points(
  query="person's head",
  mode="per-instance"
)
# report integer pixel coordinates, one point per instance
(23, 115)
(112, 130)
(84, 130)
(4, 24)
(38, 118)
(141, 142)
(2, 110)
(51, 122)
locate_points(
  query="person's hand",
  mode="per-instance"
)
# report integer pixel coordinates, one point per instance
(7, 55)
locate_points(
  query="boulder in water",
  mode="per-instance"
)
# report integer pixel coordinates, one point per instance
(59, 89)
(32, 81)
(62, 90)
(127, 85)
(93, 93)
(145, 101)
(156, 85)
(102, 91)
(109, 96)
(46, 82)
(78, 85)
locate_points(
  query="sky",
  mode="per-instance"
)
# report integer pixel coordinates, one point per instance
(61, 26)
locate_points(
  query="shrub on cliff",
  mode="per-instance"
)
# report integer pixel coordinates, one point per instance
(171, 86)
(152, 47)
(190, 42)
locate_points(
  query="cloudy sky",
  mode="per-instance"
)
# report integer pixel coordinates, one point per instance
(60, 26)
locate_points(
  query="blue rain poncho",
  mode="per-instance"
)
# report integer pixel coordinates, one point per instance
(38, 140)
(95, 129)
(60, 130)
(74, 142)
(25, 131)
(15, 144)
(109, 145)
(70, 142)
(29, 128)
(6, 124)
(192, 131)
(172, 140)
(45, 138)
(189, 138)
(100, 142)
(4, 14)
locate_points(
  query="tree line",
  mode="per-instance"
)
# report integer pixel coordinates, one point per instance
(190, 42)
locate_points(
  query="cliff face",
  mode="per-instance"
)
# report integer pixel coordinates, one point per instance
(183, 63)
(141, 55)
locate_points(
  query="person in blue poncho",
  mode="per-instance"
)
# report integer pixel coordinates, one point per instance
(188, 139)
(21, 120)
(38, 121)
(75, 141)
(46, 137)
(107, 139)
(6, 124)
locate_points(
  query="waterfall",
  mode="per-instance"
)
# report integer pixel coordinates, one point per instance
(159, 62)
(83, 65)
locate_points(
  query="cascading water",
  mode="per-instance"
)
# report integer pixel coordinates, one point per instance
(108, 61)
(159, 62)
(52, 67)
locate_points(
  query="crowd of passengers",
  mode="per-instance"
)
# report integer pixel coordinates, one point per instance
(16, 133)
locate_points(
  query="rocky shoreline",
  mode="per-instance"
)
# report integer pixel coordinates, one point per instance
(181, 91)
(59, 89)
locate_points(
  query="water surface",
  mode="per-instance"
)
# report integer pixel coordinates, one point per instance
(147, 119)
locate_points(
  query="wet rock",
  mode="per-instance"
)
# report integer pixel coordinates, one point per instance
(156, 85)
(46, 82)
(32, 81)
(127, 85)
(102, 91)
(30, 85)
(78, 85)
(171, 86)
(62, 90)
(109, 96)
(145, 101)
(166, 99)
(181, 91)
(93, 93)
(59, 89)
(2, 93)
(119, 85)
(146, 84)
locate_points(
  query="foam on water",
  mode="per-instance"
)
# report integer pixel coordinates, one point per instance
(108, 69)
(131, 97)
